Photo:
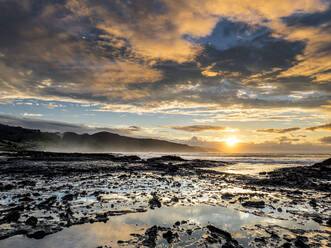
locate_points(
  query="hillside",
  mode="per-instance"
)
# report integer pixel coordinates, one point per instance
(22, 138)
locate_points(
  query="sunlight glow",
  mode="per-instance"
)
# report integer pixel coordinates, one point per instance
(231, 141)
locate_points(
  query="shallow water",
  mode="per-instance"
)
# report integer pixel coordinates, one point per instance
(120, 228)
(250, 164)
(252, 169)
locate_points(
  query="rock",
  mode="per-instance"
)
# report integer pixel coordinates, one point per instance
(254, 204)
(286, 245)
(6, 187)
(300, 242)
(219, 232)
(167, 158)
(275, 236)
(154, 202)
(260, 240)
(37, 235)
(150, 237)
(31, 221)
(68, 197)
(313, 203)
(169, 236)
(26, 199)
(328, 222)
(227, 196)
(102, 217)
(176, 184)
(318, 219)
(228, 245)
(211, 240)
(12, 216)
(27, 183)
(48, 202)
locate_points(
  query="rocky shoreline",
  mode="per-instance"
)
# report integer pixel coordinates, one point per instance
(42, 193)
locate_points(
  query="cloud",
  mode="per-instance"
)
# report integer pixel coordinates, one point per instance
(58, 126)
(273, 130)
(135, 129)
(281, 144)
(325, 140)
(148, 54)
(199, 128)
(32, 114)
(326, 127)
(285, 139)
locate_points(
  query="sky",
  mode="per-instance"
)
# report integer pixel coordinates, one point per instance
(238, 75)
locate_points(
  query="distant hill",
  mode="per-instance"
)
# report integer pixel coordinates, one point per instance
(23, 138)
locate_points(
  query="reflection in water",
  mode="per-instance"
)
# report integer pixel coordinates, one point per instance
(251, 169)
(120, 227)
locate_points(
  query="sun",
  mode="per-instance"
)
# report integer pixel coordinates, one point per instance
(231, 141)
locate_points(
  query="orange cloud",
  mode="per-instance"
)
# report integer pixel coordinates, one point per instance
(326, 127)
(160, 35)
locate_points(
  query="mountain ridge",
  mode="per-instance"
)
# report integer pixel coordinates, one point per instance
(34, 139)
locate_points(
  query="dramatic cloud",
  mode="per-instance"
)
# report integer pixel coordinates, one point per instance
(273, 130)
(326, 127)
(57, 126)
(135, 52)
(214, 61)
(199, 128)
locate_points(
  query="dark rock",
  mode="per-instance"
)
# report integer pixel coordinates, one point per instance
(287, 245)
(68, 197)
(31, 221)
(275, 236)
(166, 159)
(219, 232)
(228, 245)
(176, 184)
(6, 187)
(150, 237)
(313, 203)
(27, 183)
(300, 242)
(48, 202)
(154, 202)
(212, 240)
(318, 219)
(260, 239)
(12, 216)
(26, 199)
(254, 204)
(169, 236)
(227, 196)
(37, 235)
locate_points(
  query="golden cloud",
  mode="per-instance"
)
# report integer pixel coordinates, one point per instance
(326, 127)
(273, 130)
(199, 128)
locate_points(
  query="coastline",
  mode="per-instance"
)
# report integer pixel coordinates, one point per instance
(64, 190)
